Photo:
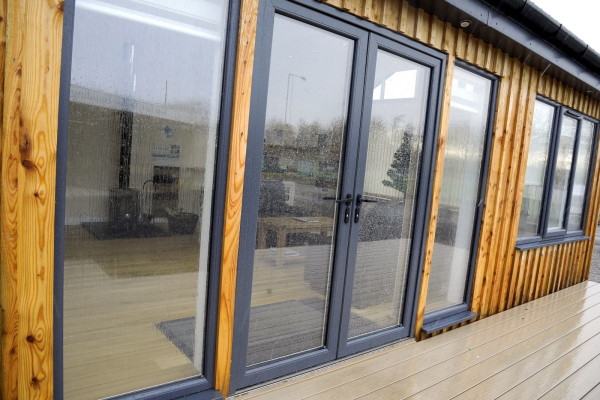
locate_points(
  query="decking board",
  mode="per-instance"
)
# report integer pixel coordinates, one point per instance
(549, 347)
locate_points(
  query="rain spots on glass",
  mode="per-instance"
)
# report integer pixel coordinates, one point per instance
(465, 141)
(391, 176)
(307, 104)
(537, 162)
(562, 173)
(144, 105)
(582, 170)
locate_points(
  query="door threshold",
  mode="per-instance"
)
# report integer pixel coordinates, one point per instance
(358, 357)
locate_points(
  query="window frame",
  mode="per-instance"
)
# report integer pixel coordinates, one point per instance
(549, 237)
(200, 386)
(439, 319)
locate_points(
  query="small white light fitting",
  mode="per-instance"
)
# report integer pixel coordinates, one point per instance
(464, 23)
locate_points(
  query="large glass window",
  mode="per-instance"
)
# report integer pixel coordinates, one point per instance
(304, 134)
(460, 194)
(537, 164)
(144, 104)
(558, 172)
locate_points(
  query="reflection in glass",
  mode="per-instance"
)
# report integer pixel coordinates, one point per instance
(582, 169)
(467, 129)
(562, 173)
(391, 177)
(307, 103)
(537, 162)
(146, 79)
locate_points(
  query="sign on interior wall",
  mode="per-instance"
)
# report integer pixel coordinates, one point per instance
(166, 154)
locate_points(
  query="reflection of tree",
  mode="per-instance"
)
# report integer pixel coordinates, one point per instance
(303, 151)
(399, 169)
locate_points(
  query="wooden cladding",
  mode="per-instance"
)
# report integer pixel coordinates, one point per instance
(235, 189)
(504, 276)
(31, 75)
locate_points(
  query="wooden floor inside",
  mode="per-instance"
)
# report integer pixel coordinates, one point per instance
(548, 348)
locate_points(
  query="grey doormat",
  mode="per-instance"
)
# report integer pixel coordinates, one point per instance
(276, 330)
(111, 230)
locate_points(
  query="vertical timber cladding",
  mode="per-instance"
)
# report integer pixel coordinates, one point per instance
(504, 277)
(235, 188)
(31, 81)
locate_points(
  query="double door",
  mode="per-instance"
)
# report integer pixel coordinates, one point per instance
(335, 199)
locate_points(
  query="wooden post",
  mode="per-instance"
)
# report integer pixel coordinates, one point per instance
(235, 189)
(29, 132)
(436, 191)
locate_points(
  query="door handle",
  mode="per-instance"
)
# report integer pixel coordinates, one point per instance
(361, 199)
(348, 201)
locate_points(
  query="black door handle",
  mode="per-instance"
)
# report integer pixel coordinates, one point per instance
(347, 200)
(361, 199)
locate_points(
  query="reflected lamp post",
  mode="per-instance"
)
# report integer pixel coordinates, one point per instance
(289, 93)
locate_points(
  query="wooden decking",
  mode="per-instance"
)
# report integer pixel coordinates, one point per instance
(548, 348)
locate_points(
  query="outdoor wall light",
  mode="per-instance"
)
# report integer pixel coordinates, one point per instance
(464, 23)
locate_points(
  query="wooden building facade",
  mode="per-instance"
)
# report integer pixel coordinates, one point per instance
(203, 196)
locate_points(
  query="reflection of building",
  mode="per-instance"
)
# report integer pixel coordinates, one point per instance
(177, 175)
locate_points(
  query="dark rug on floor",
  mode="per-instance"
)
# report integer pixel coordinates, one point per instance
(285, 328)
(110, 230)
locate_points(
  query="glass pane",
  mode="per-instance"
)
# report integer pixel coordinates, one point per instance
(465, 144)
(144, 98)
(391, 177)
(537, 162)
(307, 103)
(562, 173)
(586, 143)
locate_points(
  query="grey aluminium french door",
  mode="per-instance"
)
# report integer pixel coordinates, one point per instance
(336, 187)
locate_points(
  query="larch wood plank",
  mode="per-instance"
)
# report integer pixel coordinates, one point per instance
(481, 53)
(402, 16)
(480, 362)
(471, 53)
(483, 272)
(391, 9)
(436, 192)
(532, 376)
(11, 207)
(529, 266)
(422, 25)
(540, 253)
(461, 44)
(449, 40)
(30, 116)
(506, 140)
(234, 192)
(367, 10)
(410, 23)
(561, 260)
(510, 226)
(436, 35)
(543, 274)
(489, 58)
(335, 3)
(515, 267)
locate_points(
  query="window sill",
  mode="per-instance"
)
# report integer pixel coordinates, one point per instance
(448, 321)
(550, 242)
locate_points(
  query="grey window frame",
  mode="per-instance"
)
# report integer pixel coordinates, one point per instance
(445, 317)
(201, 386)
(545, 237)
